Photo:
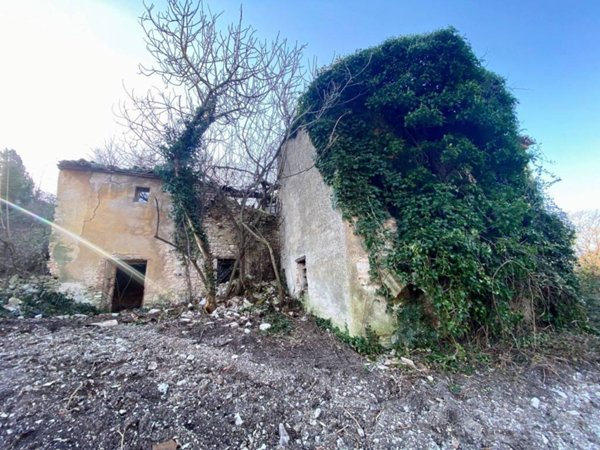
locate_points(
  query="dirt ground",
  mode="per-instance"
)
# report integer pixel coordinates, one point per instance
(220, 382)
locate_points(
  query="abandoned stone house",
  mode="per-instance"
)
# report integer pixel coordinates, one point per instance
(324, 262)
(116, 211)
(112, 216)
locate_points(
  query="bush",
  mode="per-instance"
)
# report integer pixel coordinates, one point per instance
(38, 295)
(367, 345)
(280, 324)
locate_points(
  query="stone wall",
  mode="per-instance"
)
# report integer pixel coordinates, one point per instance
(222, 236)
(258, 261)
(314, 234)
(101, 221)
(221, 233)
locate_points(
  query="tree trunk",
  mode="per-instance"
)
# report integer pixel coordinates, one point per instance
(280, 289)
(210, 288)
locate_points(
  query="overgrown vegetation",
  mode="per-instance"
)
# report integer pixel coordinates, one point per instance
(367, 345)
(428, 137)
(587, 224)
(34, 296)
(23, 239)
(183, 179)
(544, 350)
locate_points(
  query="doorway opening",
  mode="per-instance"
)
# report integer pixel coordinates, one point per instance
(128, 292)
(224, 269)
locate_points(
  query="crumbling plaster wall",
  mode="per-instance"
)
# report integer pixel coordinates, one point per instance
(100, 208)
(223, 237)
(337, 266)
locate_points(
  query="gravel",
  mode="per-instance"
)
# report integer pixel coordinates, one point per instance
(150, 380)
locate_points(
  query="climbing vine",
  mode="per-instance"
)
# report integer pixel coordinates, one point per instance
(183, 178)
(429, 137)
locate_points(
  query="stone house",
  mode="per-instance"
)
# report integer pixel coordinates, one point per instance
(110, 218)
(324, 262)
(114, 213)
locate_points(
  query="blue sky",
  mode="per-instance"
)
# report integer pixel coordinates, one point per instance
(549, 51)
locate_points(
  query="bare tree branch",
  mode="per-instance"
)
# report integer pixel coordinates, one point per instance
(223, 104)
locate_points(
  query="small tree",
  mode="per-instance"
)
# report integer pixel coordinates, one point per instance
(15, 183)
(23, 240)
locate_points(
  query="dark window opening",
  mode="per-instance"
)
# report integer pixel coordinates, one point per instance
(129, 286)
(142, 194)
(301, 278)
(224, 269)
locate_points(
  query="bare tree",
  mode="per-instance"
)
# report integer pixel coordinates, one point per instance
(212, 78)
(118, 151)
(226, 103)
(225, 72)
(109, 154)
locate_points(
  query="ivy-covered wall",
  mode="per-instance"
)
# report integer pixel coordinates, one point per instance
(423, 133)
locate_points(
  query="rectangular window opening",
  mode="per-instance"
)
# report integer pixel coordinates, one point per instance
(224, 269)
(129, 286)
(301, 278)
(142, 194)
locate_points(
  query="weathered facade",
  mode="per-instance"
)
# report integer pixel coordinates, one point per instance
(323, 260)
(114, 215)
(110, 217)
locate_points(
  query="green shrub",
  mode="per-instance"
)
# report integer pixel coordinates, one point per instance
(280, 324)
(39, 296)
(54, 304)
(367, 345)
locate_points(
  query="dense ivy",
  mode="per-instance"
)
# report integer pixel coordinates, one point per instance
(424, 134)
(181, 171)
(183, 178)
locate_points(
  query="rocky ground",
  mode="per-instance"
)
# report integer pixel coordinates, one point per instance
(160, 381)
